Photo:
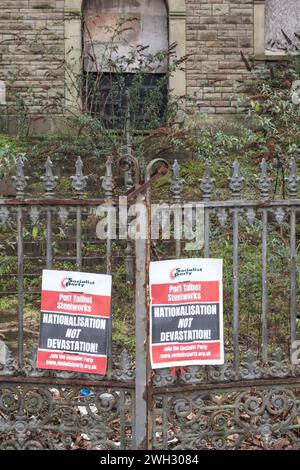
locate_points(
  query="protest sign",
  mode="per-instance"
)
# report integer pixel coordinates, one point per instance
(75, 313)
(186, 313)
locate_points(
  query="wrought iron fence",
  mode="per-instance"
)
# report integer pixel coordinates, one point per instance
(252, 400)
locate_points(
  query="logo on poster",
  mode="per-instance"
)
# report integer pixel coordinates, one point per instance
(178, 272)
(70, 282)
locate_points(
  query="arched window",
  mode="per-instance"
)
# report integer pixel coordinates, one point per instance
(125, 60)
(73, 11)
(282, 24)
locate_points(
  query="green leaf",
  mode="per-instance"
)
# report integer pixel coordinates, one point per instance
(35, 232)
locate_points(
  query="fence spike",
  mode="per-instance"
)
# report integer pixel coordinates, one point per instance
(176, 182)
(49, 180)
(124, 369)
(207, 183)
(250, 366)
(107, 180)
(176, 170)
(125, 361)
(79, 181)
(129, 263)
(236, 180)
(292, 180)
(130, 166)
(20, 180)
(278, 355)
(128, 179)
(264, 182)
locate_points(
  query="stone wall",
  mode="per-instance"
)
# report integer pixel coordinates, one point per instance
(32, 50)
(216, 33)
(31, 54)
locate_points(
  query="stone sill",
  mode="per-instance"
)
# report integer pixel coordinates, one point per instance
(273, 56)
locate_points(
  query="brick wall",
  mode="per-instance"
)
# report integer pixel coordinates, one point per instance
(216, 33)
(32, 51)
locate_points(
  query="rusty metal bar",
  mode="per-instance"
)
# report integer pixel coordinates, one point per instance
(165, 420)
(143, 430)
(292, 182)
(52, 202)
(129, 263)
(206, 233)
(207, 188)
(155, 169)
(215, 386)
(264, 312)
(122, 424)
(264, 186)
(20, 379)
(141, 330)
(108, 186)
(258, 204)
(235, 185)
(134, 192)
(128, 181)
(293, 294)
(20, 183)
(20, 229)
(177, 240)
(176, 189)
(78, 239)
(49, 239)
(236, 350)
(49, 182)
(79, 182)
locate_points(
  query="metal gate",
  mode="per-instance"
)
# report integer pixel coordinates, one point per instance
(252, 401)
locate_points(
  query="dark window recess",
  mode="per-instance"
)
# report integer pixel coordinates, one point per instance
(115, 99)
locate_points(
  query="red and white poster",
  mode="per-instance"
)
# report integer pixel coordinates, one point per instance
(75, 314)
(186, 313)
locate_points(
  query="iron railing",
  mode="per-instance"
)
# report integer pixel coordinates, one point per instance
(252, 398)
